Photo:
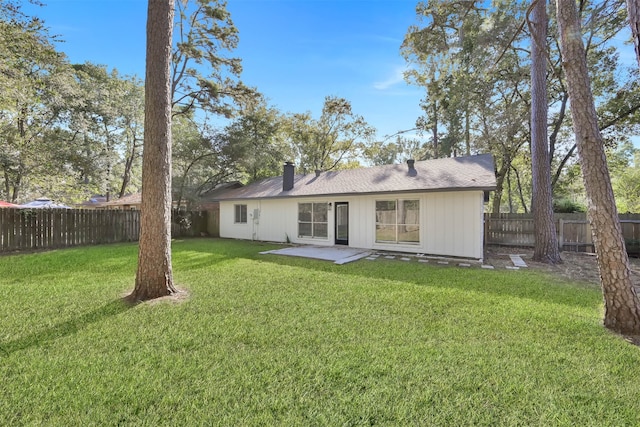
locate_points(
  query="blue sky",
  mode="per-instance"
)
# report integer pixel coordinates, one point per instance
(295, 52)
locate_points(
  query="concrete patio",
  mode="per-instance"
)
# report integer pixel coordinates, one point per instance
(337, 254)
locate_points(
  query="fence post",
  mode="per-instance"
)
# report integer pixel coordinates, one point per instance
(561, 234)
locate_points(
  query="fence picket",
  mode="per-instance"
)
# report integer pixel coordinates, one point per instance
(26, 229)
(574, 232)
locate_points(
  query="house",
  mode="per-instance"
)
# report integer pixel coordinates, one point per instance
(208, 201)
(128, 202)
(43, 203)
(432, 207)
(94, 202)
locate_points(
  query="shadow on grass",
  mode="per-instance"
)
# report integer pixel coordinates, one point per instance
(198, 253)
(66, 328)
(99, 260)
(519, 284)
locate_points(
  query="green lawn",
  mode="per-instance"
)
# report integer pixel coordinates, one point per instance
(270, 340)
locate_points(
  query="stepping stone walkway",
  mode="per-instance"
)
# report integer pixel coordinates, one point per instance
(517, 261)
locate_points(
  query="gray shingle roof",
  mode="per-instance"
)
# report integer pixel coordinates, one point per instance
(457, 173)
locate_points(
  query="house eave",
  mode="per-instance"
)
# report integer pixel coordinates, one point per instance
(283, 195)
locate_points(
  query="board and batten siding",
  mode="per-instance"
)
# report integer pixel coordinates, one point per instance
(451, 223)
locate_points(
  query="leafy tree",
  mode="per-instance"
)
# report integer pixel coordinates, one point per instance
(198, 159)
(616, 92)
(473, 60)
(474, 74)
(400, 150)
(108, 120)
(154, 277)
(451, 54)
(622, 306)
(627, 189)
(337, 137)
(203, 75)
(624, 164)
(35, 85)
(256, 142)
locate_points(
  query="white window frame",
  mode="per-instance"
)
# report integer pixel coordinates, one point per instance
(237, 214)
(396, 223)
(314, 222)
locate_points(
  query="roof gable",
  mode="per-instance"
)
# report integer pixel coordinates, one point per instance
(448, 174)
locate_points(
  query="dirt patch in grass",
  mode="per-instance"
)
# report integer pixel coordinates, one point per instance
(180, 296)
(578, 266)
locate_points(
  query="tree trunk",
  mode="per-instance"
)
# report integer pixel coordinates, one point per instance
(436, 149)
(546, 240)
(497, 194)
(467, 130)
(520, 194)
(7, 186)
(622, 307)
(633, 9)
(126, 176)
(154, 277)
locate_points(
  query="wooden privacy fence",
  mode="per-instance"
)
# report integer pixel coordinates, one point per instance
(574, 232)
(28, 229)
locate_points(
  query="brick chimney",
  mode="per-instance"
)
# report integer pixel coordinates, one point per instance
(287, 176)
(412, 168)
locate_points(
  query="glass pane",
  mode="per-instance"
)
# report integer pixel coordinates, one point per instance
(386, 212)
(385, 233)
(320, 229)
(304, 229)
(409, 212)
(240, 213)
(319, 212)
(409, 233)
(342, 222)
(304, 212)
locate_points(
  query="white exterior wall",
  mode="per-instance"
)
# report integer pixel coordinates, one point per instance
(451, 223)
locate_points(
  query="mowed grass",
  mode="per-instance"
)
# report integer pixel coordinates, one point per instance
(271, 340)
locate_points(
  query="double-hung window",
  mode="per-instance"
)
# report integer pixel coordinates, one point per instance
(240, 214)
(398, 221)
(312, 220)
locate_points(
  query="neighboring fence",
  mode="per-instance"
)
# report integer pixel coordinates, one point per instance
(28, 229)
(213, 220)
(574, 233)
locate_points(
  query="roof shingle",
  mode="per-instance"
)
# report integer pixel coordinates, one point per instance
(448, 174)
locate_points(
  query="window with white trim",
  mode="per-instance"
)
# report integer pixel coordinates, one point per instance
(398, 221)
(240, 214)
(313, 220)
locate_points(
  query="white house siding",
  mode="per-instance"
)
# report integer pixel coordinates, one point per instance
(451, 223)
(454, 224)
(229, 229)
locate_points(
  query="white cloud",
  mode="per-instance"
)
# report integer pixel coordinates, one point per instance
(396, 78)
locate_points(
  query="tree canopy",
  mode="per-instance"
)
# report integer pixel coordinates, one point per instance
(73, 130)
